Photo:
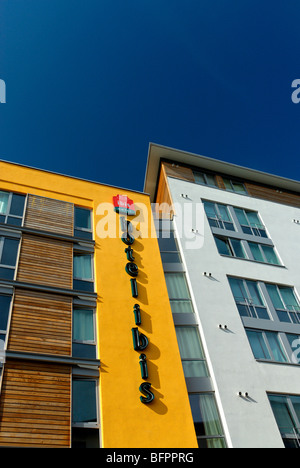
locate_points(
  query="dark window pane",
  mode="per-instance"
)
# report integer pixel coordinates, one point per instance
(170, 257)
(82, 266)
(7, 273)
(262, 313)
(238, 248)
(4, 311)
(167, 243)
(17, 205)
(205, 415)
(283, 316)
(14, 221)
(82, 218)
(229, 226)
(87, 286)
(258, 345)
(84, 351)
(2, 342)
(262, 233)
(246, 230)
(2, 219)
(223, 246)
(214, 223)
(243, 310)
(84, 401)
(10, 252)
(83, 234)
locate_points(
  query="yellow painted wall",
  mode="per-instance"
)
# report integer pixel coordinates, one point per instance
(125, 421)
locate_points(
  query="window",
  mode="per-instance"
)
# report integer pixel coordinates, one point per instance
(9, 248)
(246, 250)
(84, 340)
(202, 178)
(264, 253)
(234, 186)
(83, 275)
(218, 216)
(11, 208)
(179, 295)
(5, 303)
(266, 345)
(207, 422)
(84, 402)
(250, 222)
(230, 247)
(191, 352)
(248, 298)
(83, 223)
(286, 409)
(168, 246)
(285, 303)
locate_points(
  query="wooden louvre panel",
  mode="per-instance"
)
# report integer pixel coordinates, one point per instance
(41, 323)
(220, 182)
(47, 214)
(178, 172)
(35, 405)
(273, 194)
(164, 204)
(46, 262)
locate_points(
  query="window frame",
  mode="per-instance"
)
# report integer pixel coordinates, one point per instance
(264, 336)
(246, 248)
(85, 230)
(234, 181)
(205, 177)
(170, 236)
(248, 302)
(221, 223)
(78, 252)
(3, 265)
(7, 214)
(258, 228)
(93, 311)
(90, 424)
(285, 309)
(9, 293)
(261, 249)
(228, 242)
(295, 434)
(180, 300)
(207, 437)
(201, 360)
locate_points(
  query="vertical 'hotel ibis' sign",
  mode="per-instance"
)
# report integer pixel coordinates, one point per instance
(123, 205)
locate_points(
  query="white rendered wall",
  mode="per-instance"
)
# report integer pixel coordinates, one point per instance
(247, 423)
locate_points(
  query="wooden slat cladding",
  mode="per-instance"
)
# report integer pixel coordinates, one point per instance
(46, 262)
(41, 323)
(272, 194)
(163, 196)
(179, 172)
(220, 182)
(35, 405)
(47, 214)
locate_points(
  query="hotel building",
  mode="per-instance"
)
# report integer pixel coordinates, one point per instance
(229, 239)
(163, 319)
(88, 350)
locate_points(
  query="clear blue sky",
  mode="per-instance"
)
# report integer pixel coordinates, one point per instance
(91, 82)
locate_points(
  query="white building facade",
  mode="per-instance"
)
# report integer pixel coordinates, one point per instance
(232, 271)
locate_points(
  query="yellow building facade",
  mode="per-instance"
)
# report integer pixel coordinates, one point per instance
(141, 397)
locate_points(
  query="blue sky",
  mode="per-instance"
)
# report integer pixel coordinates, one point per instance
(91, 82)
